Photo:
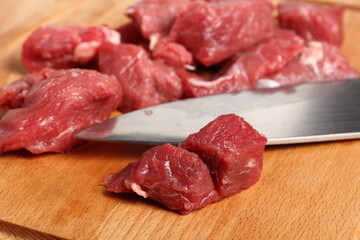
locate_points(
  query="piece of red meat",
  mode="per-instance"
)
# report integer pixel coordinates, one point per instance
(312, 21)
(233, 151)
(242, 71)
(319, 62)
(56, 107)
(214, 31)
(223, 158)
(170, 175)
(145, 82)
(60, 47)
(155, 17)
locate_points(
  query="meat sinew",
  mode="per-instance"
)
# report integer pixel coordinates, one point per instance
(170, 175)
(319, 62)
(56, 107)
(60, 47)
(222, 159)
(313, 22)
(242, 71)
(233, 151)
(214, 31)
(145, 82)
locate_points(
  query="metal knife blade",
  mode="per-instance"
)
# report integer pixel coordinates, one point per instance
(311, 112)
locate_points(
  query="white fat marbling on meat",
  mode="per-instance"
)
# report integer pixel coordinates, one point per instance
(131, 62)
(67, 132)
(244, 172)
(85, 52)
(44, 122)
(137, 189)
(112, 36)
(154, 39)
(190, 67)
(251, 163)
(312, 54)
(266, 83)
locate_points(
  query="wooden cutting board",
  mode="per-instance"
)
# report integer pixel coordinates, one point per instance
(308, 191)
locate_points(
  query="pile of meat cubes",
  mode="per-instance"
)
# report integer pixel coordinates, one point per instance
(170, 50)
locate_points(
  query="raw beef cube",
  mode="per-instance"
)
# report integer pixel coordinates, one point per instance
(56, 107)
(155, 17)
(173, 54)
(246, 67)
(319, 62)
(313, 22)
(233, 151)
(214, 31)
(64, 46)
(145, 82)
(170, 175)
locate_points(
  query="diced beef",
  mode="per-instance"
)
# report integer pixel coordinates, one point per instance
(223, 158)
(64, 46)
(313, 22)
(170, 175)
(145, 82)
(56, 107)
(173, 54)
(155, 17)
(214, 31)
(233, 151)
(319, 62)
(242, 71)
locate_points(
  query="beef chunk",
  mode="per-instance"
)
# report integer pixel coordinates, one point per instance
(232, 150)
(214, 31)
(64, 46)
(170, 175)
(242, 71)
(145, 82)
(56, 107)
(313, 22)
(222, 159)
(319, 62)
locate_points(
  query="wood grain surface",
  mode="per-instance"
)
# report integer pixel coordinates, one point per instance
(307, 191)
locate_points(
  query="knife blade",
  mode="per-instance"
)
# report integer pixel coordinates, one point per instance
(312, 112)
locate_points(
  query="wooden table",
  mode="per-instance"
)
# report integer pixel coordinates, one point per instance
(307, 191)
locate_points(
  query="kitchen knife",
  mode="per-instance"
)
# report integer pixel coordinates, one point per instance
(312, 112)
